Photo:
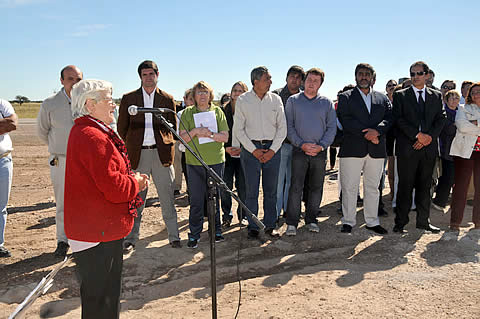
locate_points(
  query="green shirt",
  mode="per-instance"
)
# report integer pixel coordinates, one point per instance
(212, 153)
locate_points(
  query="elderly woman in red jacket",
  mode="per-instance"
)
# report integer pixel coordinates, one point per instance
(101, 197)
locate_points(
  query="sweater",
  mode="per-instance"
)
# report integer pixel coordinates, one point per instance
(54, 122)
(98, 186)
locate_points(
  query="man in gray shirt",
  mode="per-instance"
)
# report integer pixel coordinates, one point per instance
(54, 123)
(311, 127)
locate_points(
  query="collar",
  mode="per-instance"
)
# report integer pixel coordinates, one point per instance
(418, 90)
(65, 93)
(145, 92)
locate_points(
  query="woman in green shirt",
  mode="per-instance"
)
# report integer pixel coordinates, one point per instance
(207, 131)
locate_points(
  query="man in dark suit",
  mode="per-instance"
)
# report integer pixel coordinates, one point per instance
(150, 147)
(419, 119)
(365, 116)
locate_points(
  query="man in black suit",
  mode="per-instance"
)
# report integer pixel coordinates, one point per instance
(419, 119)
(365, 116)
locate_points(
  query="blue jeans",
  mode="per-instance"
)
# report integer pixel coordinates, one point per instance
(197, 181)
(233, 168)
(6, 170)
(269, 171)
(284, 177)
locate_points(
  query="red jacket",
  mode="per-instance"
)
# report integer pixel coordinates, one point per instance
(98, 186)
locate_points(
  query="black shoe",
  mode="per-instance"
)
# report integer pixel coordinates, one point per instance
(176, 244)
(378, 229)
(176, 193)
(272, 232)
(252, 234)
(192, 243)
(398, 229)
(382, 212)
(62, 248)
(226, 223)
(219, 238)
(346, 229)
(430, 228)
(128, 247)
(4, 252)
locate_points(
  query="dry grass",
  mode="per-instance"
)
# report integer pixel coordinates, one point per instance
(26, 110)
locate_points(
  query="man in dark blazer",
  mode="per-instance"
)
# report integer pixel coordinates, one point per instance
(419, 119)
(365, 116)
(150, 147)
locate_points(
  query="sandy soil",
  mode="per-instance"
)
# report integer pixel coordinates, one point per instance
(325, 275)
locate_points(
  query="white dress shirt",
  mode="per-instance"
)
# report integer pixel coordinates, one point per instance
(148, 136)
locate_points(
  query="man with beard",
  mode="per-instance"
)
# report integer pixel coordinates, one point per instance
(365, 116)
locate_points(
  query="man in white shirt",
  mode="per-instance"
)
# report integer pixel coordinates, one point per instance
(260, 127)
(54, 122)
(8, 123)
(150, 147)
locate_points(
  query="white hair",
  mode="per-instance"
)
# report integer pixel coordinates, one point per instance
(85, 90)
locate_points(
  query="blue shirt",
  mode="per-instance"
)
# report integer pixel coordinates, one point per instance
(310, 120)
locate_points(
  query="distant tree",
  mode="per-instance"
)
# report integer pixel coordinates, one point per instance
(20, 99)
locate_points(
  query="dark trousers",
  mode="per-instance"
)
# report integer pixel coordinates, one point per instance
(463, 175)
(253, 169)
(414, 172)
(445, 183)
(233, 168)
(99, 271)
(314, 167)
(333, 155)
(184, 169)
(197, 181)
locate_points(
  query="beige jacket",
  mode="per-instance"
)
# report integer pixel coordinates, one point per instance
(467, 132)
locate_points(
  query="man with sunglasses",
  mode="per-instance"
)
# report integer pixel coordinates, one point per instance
(420, 117)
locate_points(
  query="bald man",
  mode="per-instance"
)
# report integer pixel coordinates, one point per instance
(54, 122)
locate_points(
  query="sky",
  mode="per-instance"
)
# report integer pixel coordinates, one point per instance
(220, 42)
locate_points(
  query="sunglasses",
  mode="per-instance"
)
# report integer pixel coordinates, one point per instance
(445, 87)
(391, 85)
(419, 73)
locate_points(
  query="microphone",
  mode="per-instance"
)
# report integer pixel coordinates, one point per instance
(134, 110)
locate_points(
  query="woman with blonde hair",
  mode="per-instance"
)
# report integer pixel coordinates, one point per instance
(208, 140)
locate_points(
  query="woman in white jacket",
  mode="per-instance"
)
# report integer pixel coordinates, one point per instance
(466, 151)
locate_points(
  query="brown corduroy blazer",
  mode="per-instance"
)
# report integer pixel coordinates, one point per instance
(131, 128)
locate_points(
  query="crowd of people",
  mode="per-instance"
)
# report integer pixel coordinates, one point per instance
(426, 140)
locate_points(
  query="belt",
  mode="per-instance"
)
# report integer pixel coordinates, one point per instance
(262, 142)
(5, 154)
(149, 147)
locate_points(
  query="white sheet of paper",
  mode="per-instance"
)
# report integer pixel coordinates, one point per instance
(208, 120)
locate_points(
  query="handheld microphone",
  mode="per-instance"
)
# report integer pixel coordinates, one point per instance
(134, 110)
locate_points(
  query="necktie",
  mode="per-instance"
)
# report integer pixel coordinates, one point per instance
(421, 108)
(421, 102)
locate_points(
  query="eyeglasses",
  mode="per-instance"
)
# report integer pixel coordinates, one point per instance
(391, 85)
(202, 92)
(419, 73)
(446, 87)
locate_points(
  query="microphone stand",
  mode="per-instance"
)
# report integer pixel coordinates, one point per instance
(213, 181)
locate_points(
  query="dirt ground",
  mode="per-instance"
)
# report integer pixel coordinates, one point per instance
(324, 275)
